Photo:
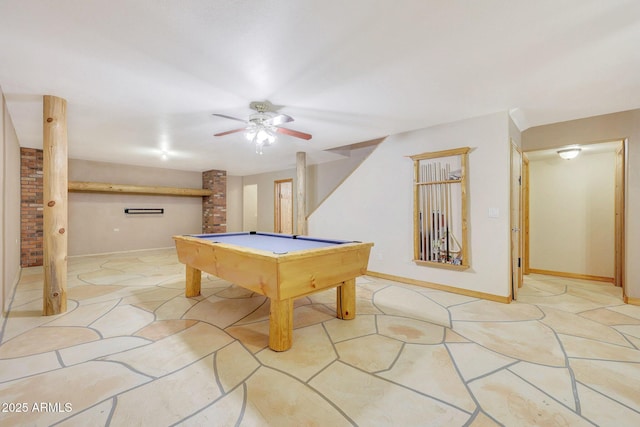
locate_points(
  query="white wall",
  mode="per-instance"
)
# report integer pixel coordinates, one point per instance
(375, 204)
(572, 214)
(322, 179)
(10, 215)
(98, 224)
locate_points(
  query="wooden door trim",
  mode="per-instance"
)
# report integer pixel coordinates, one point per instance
(514, 289)
(276, 202)
(620, 195)
(525, 214)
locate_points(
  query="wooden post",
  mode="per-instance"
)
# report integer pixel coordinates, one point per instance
(54, 205)
(301, 195)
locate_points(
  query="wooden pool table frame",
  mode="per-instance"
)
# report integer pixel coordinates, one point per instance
(280, 277)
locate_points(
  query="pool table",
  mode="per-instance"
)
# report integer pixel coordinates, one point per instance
(281, 267)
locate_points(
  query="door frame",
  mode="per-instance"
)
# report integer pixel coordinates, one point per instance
(620, 209)
(515, 227)
(277, 205)
(525, 214)
(620, 195)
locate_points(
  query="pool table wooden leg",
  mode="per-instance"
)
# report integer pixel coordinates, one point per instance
(346, 300)
(281, 324)
(194, 278)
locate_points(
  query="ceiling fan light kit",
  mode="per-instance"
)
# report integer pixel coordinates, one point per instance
(261, 136)
(261, 128)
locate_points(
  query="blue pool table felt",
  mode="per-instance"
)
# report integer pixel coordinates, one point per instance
(276, 243)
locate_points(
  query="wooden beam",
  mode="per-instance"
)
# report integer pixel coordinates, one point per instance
(101, 187)
(301, 194)
(54, 205)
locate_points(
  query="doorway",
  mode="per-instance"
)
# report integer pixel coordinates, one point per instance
(611, 163)
(283, 206)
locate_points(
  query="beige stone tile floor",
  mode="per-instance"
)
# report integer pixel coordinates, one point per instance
(132, 350)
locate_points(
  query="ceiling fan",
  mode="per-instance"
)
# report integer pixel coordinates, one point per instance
(262, 126)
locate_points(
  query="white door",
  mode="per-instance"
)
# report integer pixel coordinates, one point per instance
(250, 207)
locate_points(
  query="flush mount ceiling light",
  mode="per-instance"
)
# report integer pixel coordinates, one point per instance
(569, 153)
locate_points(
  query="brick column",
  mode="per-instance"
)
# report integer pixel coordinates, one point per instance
(214, 207)
(31, 222)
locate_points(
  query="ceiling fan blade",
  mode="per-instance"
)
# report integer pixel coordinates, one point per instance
(279, 119)
(295, 133)
(229, 117)
(229, 131)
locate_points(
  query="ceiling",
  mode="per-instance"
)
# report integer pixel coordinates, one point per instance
(143, 77)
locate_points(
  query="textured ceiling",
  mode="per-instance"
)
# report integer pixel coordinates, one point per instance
(145, 76)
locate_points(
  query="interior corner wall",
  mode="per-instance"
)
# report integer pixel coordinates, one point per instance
(608, 127)
(98, 223)
(572, 214)
(375, 204)
(10, 215)
(515, 135)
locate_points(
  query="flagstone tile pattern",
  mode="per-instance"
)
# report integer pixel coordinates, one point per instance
(133, 350)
